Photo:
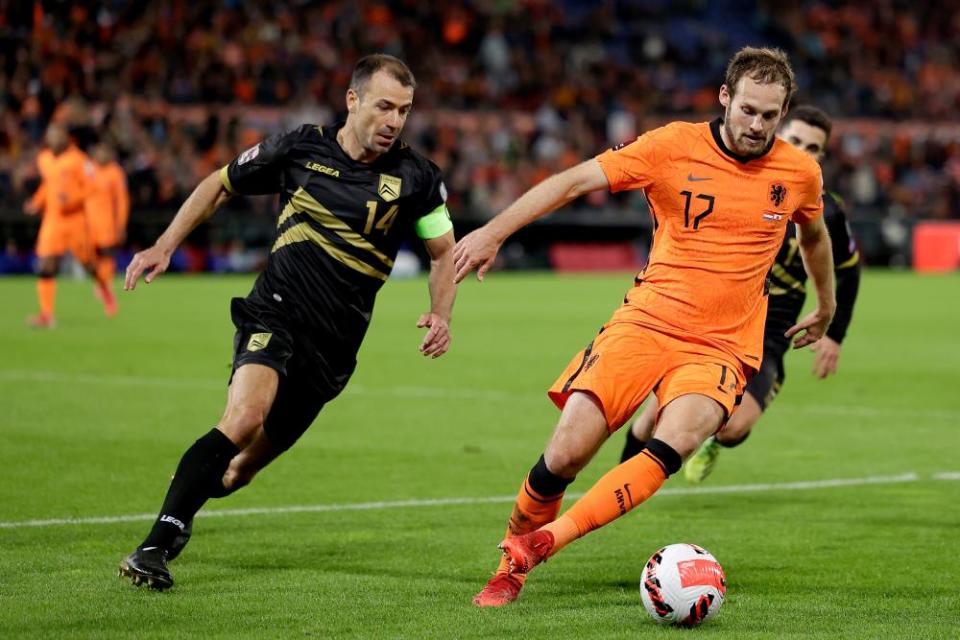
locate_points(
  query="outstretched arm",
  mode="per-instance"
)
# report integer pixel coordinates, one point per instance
(443, 290)
(817, 254)
(200, 205)
(479, 249)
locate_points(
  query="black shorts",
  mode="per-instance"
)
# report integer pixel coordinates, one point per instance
(765, 386)
(305, 383)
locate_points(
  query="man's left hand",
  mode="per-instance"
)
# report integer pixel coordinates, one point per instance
(811, 327)
(828, 353)
(437, 340)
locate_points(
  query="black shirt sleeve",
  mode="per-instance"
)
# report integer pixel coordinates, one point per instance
(433, 193)
(259, 169)
(846, 260)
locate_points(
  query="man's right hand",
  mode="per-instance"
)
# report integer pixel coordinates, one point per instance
(477, 250)
(30, 208)
(154, 261)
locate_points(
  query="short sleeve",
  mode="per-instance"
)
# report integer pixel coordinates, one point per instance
(844, 246)
(432, 216)
(637, 164)
(810, 206)
(259, 169)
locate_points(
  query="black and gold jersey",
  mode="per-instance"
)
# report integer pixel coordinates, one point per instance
(340, 225)
(788, 278)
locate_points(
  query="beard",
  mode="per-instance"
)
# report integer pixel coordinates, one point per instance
(750, 152)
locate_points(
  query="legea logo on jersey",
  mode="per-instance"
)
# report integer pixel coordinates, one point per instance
(259, 341)
(389, 188)
(322, 168)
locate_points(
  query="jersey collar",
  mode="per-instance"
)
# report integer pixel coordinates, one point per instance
(715, 130)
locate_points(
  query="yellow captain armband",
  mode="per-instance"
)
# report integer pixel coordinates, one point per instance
(225, 180)
(434, 224)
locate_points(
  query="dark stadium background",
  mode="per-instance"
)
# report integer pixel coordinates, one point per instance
(509, 91)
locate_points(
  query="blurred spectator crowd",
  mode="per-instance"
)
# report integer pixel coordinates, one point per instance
(509, 90)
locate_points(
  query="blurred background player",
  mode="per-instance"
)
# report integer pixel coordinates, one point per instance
(107, 209)
(65, 173)
(808, 129)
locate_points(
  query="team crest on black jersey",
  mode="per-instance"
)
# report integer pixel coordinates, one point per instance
(389, 188)
(778, 193)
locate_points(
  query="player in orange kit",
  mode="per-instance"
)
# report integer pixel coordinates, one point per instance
(108, 208)
(691, 329)
(807, 128)
(60, 199)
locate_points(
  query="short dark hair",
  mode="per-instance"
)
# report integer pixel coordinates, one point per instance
(369, 65)
(763, 65)
(812, 116)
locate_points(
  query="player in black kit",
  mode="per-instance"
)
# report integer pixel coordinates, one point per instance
(349, 194)
(807, 128)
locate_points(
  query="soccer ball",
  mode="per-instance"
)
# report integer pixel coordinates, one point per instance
(682, 584)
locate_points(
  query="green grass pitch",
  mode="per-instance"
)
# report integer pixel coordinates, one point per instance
(96, 413)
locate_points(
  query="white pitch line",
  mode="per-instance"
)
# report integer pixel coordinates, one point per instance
(947, 475)
(440, 502)
(441, 393)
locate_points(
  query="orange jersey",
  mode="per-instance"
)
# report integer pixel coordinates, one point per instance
(719, 220)
(64, 182)
(108, 203)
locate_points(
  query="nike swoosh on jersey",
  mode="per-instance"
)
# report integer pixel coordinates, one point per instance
(693, 178)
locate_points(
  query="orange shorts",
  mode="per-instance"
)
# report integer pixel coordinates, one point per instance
(103, 233)
(60, 234)
(627, 361)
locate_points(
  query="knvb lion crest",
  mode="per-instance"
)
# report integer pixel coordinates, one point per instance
(389, 188)
(778, 193)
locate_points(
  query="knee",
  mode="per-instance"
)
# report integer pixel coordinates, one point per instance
(240, 423)
(737, 427)
(686, 431)
(564, 461)
(237, 477)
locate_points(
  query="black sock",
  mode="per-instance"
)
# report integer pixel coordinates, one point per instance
(546, 482)
(220, 491)
(731, 443)
(198, 475)
(632, 446)
(667, 456)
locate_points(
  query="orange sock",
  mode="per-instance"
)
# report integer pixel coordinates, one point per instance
(620, 490)
(530, 512)
(106, 268)
(46, 295)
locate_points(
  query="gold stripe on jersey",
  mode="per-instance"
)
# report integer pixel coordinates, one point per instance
(849, 262)
(785, 278)
(303, 232)
(303, 202)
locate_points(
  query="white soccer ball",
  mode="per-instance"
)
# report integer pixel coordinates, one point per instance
(682, 584)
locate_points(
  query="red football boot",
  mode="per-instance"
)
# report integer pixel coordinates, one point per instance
(527, 551)
(503, 588)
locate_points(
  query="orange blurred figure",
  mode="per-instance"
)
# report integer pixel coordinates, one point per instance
(107, 210)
